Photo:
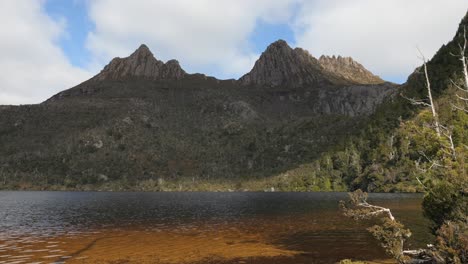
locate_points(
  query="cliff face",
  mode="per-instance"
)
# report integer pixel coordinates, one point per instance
(141, 119)
(349, 100)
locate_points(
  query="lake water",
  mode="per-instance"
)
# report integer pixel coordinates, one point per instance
(103, 227)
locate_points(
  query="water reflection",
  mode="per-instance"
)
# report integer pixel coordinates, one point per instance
(90, 227)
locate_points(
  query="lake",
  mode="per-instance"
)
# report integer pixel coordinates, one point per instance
(140, 227)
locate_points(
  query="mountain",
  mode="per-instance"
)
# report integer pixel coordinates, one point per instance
(398, 149)
(349, 69)
(143, 124)
(280, 65)
(141, 64)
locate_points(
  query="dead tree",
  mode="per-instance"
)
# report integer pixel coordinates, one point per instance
(390, 232)
(423, 102)
(444, 131)
(464, 87)
(429, 95)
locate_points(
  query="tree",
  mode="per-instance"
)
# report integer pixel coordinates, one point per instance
(423, 102)
(391, 233)
(464, 89)
(443, 155)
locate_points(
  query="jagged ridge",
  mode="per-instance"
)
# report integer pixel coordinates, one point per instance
(348, 69)
(280, 65)
(143, 64)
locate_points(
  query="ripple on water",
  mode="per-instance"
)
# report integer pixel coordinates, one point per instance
(62, 227)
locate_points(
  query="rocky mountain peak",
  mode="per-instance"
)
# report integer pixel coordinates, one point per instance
(142, 52)
(279, 65)
(349, 69)
(141, 64)
(279, 45)
(172, 70)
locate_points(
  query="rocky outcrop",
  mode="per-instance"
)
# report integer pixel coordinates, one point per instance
(280, 65)
(141, 64)
(349, 69)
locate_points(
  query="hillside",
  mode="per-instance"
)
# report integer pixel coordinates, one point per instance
(145, 124)
(398, 149)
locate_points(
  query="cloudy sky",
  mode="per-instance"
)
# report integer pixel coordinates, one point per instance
(50, 45)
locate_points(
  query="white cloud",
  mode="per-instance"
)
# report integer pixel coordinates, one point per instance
(32, 65)
(201, 34)
(210, 34)
(382, 35)
(213, 36)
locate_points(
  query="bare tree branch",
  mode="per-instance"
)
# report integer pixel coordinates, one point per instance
(391, 233)
(377, 210)
(461, 98)
(422, 184)
(429, 94)
(448, 134)
(433, 163)
(416, 101)
(458, 86)
(460, 108)
(463, 58)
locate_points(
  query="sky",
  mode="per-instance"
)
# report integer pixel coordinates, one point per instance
(47, 46)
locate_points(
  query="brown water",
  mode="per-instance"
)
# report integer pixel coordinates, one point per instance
(92, 227)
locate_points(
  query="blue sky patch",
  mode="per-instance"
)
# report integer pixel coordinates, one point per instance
(73, 42)
(264, 34)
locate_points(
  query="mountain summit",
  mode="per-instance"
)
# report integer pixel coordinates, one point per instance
(143, 64)
(279, 64)
(282, 65)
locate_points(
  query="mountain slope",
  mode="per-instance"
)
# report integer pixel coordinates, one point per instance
(145, 124)
(398, 147)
